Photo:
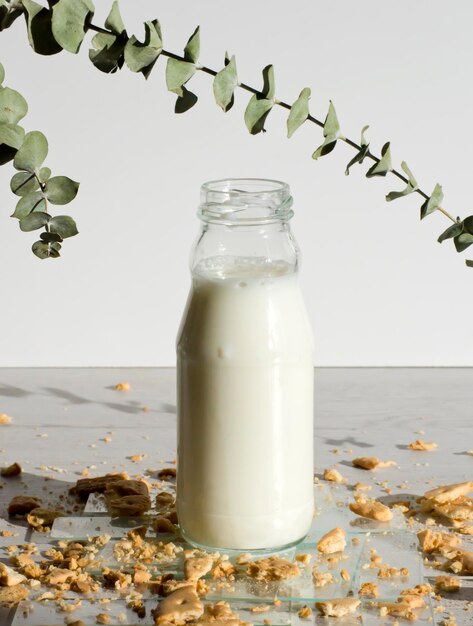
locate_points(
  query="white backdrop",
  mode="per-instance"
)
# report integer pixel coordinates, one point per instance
(379, 288)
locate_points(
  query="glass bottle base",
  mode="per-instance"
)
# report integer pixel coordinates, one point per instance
(256, 552)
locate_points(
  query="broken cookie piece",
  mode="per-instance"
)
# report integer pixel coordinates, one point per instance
(447, 584)
(8, 576)
(371, 509)
(85, 486)
(197, 566)
(11, 596)
(12, 470)
(21, 505)
(42, 519)
(431, 541)
(333, 541)
(337, 607)
(369, 590)
(181, 606)
(128, 506)
(371, 462)
(272, 568)
(334, 476)
(421, 445)
(448, 493)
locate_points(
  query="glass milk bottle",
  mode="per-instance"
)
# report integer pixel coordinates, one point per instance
(245, 376)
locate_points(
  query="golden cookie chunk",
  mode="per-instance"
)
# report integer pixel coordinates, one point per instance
(42, 519)
(333, 541)
(447, 583)
(448, 493)
(8, 576)
(85, 486)
(198, 566)
(432, 541)
(10, 596)
(333, 475)
(397, 609)
(337, 607)
(272, 568)
(371, 462)
(460, 509)
(369, 590)
(421, 445)
(371, 509)
(322, 578)
(181, 606)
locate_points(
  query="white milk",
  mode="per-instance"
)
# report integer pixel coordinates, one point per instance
(245, 406)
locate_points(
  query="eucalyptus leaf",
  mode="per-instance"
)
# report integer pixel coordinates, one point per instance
(45, 250)
(50, 237)
(11, 135)
(60, 190)
(452, 231)
(2, 74)
(331, 130)
(192, 49)
(43, 174)
(224, 85)
(63, 225)
(8, 14)
(24, 183)
(32, 202)
(114, 20)
(468, 224)
(469, 263)
(13, 106)
(7, 153)
(299, 112)
(256, 113)
(177, 74)
(39, 24)
(185, 102)
(410, 187)
(432, 203)
(33, 221)
(141, 56)
(32, 152)
(362, 152)
(463, 241)
(384, 165)
(69, 22)
(269, 83)
(107, 52)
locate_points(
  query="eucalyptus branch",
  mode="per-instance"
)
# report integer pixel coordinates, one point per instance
(64, 23)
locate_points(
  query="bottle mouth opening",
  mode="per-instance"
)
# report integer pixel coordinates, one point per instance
(240, 201)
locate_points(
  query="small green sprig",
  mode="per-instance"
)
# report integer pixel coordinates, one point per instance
(64, 24)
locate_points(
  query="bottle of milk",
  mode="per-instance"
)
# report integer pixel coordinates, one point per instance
(245, 376)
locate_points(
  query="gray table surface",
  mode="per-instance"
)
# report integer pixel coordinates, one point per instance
(61, 417)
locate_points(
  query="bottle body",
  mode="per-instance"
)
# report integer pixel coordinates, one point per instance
(245, 405)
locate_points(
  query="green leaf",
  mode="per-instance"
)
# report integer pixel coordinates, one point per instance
(141, 56)
(469, 263)
(2, 73)
(359, 156)
(299, 112)
(60, 190)
(224, 85)
(24, 183)
(45, 250)
(452, 231)
(63, 225)
(69, 22)
(468, 224)
(185, 102)
(269, 83)
(32, 153)
(384, 165)
(114, 20)
(11, 135)
(192, 49)
(44, 174)
(39, 24)
(256, 113)
(13, 106)
(177, 75)
(33, 202)
(331, 130)
(410, 187)
(50, 237)
(33, 221)
(432, 203)
(107, 52)
(463, 241)
(8, 14)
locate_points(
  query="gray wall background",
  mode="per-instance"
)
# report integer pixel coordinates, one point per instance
(379, 289)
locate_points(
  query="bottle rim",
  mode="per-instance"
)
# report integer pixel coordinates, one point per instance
(245, 201)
